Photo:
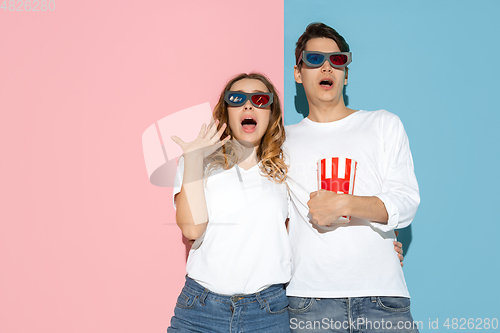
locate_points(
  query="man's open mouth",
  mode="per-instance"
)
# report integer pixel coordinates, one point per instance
(326, 82)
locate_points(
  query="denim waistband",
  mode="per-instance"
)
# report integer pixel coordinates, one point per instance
(261, 296)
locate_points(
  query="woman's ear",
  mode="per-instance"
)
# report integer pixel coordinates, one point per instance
(346, 75)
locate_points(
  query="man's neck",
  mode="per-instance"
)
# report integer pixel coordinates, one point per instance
(328, 112)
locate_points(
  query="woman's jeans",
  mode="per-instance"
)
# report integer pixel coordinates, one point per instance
(200, 310)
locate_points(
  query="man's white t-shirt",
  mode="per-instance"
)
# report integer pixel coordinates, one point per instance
(356, 259)
(245, 248)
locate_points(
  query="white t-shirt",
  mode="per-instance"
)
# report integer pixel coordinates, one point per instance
(245, 247)
(356, 259)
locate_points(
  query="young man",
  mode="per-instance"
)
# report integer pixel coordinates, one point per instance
(345, 276)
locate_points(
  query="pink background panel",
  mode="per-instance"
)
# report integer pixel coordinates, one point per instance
(87, 243)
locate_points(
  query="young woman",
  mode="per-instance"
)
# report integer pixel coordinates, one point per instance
(231, 199)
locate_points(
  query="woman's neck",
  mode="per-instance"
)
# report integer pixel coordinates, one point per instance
(248, 158)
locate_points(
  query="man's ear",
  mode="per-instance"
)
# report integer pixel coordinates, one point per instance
(346, 76)
(296, 74)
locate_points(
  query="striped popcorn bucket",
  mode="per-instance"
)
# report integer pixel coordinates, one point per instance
(337, 174)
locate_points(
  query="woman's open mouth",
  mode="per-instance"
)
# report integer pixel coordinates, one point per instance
(249, 124)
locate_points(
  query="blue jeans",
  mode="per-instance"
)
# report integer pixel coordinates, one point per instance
(351, 315)
(200, 310)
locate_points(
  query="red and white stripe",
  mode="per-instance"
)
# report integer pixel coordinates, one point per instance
(337, 174)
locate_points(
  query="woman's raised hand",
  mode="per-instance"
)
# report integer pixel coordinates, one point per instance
(206, 143)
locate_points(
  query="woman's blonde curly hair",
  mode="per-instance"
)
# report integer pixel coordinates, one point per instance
(269, 152)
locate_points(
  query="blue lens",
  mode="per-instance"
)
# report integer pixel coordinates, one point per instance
(315, 58)
(237, 98)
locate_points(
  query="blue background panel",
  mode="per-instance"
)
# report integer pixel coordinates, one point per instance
(435, 65)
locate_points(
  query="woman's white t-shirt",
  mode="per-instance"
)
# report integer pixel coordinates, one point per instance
(245, 248)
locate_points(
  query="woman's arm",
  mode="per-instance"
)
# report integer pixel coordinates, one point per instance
(192, 214)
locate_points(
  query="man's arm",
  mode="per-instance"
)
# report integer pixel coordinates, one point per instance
(400, 193)
(326, 207)
(397, 203)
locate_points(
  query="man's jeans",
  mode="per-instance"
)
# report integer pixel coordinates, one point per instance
(200, 310)
(353, 315)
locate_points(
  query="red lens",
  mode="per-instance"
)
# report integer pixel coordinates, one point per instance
(338, 59)
(260, 100)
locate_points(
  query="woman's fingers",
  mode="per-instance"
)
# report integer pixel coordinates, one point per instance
(398, 247)
(226, 139)
(223, 142)
(212, 129)
(208, 136)
(178, 141)
(219, 132)
(202, 131)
